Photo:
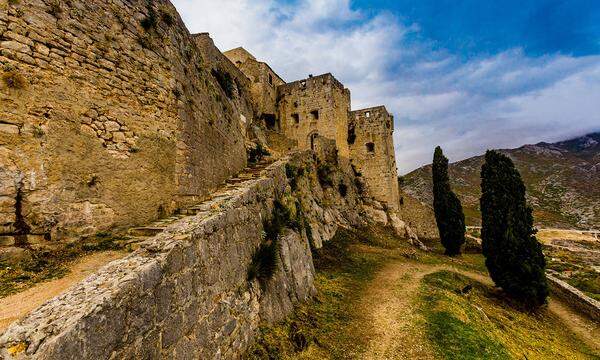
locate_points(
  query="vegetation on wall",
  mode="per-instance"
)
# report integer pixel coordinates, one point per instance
(448, 210)
(225, 81)
(513, 255)
(265, 259)
(12, 78)
(325, 175)
(256, 154)
(293, 173)
(151, 20)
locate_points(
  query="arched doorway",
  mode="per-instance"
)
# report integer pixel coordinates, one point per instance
(312, 138)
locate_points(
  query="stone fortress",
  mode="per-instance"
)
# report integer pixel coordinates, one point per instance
(113, 116)
(77, 177)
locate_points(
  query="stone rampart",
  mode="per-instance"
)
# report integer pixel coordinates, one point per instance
(109, 116)
(185, 293)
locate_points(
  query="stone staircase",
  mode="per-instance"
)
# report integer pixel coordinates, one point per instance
(137, 235)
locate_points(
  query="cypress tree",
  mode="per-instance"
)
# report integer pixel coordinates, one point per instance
(448, 210)
(512, 253)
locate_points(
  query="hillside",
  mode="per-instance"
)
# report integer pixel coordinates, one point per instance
(561, 178)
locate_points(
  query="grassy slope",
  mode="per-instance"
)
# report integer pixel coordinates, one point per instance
(480, 325)
(483, 325)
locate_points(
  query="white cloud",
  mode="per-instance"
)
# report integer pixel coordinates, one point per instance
(505, 100)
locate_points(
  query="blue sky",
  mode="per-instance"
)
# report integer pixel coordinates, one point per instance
(464, 74)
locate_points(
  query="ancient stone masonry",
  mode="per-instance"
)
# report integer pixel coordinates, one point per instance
(317, 106)
(109, 115)
(113, 115)
(185, 293)
(370, 139)
(264, 82)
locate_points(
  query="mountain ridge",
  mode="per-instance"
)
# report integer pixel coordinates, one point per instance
(561, 178)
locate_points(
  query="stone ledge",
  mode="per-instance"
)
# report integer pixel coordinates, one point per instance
(574, 297)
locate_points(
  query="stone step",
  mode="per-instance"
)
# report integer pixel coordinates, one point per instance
(145, 231)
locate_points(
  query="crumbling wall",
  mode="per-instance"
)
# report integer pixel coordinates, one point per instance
(370, 139)
(264, 82)
(185, 293)
(317, 106)
(108, 115)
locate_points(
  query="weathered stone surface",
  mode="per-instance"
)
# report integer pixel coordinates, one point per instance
(93, 64)
(184, 293)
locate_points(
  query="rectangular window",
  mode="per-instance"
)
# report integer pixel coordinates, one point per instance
(371, 147)
(315, 115)
(368, 114)
(296, 118)
(270, 79)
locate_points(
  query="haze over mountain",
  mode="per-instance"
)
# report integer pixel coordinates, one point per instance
(562, 180)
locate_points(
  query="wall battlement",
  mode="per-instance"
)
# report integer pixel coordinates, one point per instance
(311, 82)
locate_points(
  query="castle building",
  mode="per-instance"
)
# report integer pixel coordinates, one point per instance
(370, 139)
(320, 106)
(317, 106)
(264, 83)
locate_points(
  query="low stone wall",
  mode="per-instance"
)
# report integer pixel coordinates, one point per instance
(574, 297)
(185, 293)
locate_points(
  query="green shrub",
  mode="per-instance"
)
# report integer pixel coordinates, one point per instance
(513, 255)
(264, 262)
(150, 21)
(166, 16)
(293, 173)
(225, 81)
(449, 214)
(325, 175)
(257, 153)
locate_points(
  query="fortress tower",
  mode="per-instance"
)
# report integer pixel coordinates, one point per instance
(264, 82)
(317, 106)
(371, 144)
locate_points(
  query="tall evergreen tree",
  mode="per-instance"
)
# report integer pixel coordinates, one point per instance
(448, 210)
(513, 255)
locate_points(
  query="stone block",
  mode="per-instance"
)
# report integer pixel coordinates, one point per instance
(15, 46)
(9, 129)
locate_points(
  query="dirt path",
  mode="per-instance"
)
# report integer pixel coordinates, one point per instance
(15, 306)
(391, 301)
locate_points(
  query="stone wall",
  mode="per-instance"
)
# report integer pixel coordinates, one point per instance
(242, 96)
(574, 297)
(370, 139)
(185, 293)
(109, 116)
(264, 82)
(317, 106)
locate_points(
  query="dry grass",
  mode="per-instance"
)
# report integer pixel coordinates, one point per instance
(547, 235)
